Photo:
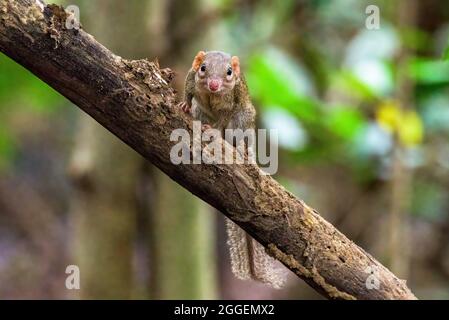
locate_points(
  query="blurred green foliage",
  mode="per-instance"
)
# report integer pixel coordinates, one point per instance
(277, 81)
(345, 107)
(363, 84)
(446, 52)
(20, 91)
(429, 71)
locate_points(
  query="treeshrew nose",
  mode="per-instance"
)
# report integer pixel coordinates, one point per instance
(214, 85)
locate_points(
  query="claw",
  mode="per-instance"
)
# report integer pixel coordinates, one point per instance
(185, 107)
(205, 127)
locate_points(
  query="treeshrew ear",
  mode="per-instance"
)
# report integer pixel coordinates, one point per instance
(235, 63)
(199, 58)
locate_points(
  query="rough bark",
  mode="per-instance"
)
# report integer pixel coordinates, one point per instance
(134, 101)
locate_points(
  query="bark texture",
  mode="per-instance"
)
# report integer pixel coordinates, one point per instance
(134, 100)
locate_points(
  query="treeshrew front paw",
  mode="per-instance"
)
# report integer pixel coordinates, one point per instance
(185, 107)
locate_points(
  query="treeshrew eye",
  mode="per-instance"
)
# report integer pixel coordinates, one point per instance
(203, 68)
(229, 72)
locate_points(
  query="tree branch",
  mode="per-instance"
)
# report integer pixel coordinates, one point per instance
(133, 100)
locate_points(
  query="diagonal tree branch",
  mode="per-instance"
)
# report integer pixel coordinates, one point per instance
(133, 100)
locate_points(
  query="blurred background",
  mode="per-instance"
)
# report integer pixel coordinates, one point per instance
(363, 120)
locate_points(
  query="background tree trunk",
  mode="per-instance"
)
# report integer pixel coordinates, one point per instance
(105, 173)
(401, 180)
(182, 226)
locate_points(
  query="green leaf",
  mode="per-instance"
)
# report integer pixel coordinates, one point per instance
(352, 85)
(426, 71)
(345, 122)
(276, 82)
